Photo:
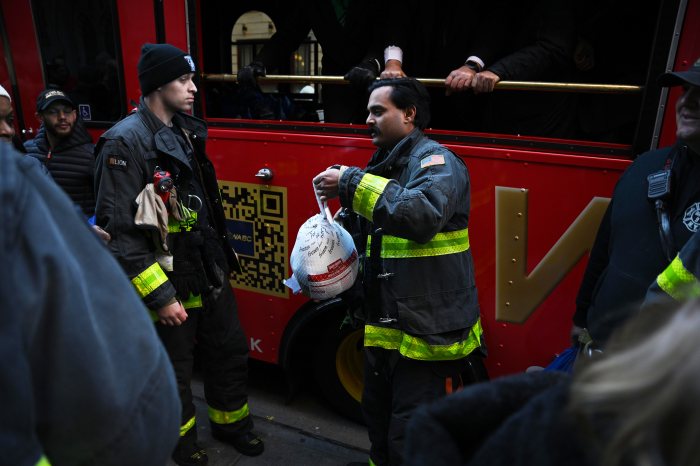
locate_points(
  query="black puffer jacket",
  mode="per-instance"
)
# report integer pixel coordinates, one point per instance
(71, 164)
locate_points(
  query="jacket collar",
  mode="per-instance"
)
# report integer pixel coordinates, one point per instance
(164, 138)
(384, 160)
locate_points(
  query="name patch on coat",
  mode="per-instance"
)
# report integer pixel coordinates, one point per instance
(434, 159)
(116, 161)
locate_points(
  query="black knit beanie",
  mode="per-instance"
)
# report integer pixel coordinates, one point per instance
(161, 63)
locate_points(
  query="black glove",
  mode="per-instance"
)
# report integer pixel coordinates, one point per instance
(363, 74)
(248, 74)
(214, 258)
(188, 275)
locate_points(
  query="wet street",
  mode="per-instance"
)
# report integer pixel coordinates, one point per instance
(302, 432)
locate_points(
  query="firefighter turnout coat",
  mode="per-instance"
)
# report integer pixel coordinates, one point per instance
(410, 216)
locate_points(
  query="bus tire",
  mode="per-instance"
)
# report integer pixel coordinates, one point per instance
(338, 369)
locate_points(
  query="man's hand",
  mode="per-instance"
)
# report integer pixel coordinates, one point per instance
(172, 314)
(102, 234)
(484, 81)
(247, 76)
(326, 184)
(392, 69)
(363, 74)
(459, 80)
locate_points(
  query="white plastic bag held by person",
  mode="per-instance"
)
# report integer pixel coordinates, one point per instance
(324, 259)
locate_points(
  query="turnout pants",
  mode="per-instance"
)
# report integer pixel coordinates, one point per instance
(223, 348)
(394, 387)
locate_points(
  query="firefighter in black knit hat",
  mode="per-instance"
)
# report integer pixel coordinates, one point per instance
(156, 155)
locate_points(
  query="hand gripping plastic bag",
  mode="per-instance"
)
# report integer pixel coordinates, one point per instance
(324, 259)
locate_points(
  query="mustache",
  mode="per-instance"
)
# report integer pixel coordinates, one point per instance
(374, 131)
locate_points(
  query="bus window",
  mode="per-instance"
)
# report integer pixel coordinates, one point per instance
(79, 46)
(537, 41)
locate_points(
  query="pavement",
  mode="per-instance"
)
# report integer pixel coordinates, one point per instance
(302, 431)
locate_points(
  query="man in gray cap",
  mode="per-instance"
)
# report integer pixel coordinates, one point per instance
(654, 211)
(159, 150)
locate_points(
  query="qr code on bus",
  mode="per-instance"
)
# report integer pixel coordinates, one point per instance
(256, 215)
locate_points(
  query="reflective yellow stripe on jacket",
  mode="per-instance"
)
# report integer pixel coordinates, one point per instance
(147, 281)
(678, 282)
(416, 348)
(43, 461)
(450, 242)
(367, 194)
(228, 417)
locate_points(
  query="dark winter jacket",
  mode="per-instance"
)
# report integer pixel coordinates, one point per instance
(512, 421)
(418, 270)
(627, 254)
(84, 377)
(127, 157)
(71, 164)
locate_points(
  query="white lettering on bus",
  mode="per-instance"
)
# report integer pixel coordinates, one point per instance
(255, 345)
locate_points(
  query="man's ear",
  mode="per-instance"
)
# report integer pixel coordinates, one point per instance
(410, 115)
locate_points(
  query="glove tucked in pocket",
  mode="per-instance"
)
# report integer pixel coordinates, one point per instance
(189, 275)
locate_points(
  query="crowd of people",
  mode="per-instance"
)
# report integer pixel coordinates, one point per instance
(159, 241)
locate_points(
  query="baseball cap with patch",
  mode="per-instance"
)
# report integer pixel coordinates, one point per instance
(677, 78)
(49, 96)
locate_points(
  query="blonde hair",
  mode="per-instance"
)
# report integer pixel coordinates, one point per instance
(641, 399)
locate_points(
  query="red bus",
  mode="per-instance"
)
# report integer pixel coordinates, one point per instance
(536, 200)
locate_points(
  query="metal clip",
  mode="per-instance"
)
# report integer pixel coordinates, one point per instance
(385, 275)
(387, 320)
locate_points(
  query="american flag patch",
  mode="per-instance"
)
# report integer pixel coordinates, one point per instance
(435, 159)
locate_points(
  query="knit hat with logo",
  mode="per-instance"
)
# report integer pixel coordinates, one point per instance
(161, 63)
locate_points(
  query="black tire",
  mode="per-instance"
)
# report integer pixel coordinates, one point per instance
(338, 369)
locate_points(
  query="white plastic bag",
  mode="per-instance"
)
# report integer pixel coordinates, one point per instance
(324, 259)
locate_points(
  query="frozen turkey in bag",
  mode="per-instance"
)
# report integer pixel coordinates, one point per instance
(324, 259)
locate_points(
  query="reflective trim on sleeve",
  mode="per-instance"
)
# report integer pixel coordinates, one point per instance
(367, 194)
(416, 348)
(678, 282)
(450, 242)
(189, 220)
(228, 417)
(186, 427)
(147, 281)
(43, 461)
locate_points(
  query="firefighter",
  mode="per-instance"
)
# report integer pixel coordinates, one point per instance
(409, 211)
(190, 298)
(654, 211)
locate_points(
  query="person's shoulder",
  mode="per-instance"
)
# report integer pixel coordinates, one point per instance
(124, 128)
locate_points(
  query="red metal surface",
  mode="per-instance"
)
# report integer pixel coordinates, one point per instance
(174, 12)
(560, 186)
(136, 27)
(21, 36)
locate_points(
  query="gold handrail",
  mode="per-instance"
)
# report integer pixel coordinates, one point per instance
(430, 82)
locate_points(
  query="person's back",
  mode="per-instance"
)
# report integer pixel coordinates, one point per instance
(64, 146)
(86, 379)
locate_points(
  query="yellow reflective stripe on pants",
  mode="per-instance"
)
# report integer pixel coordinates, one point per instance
(450, 242)
(417, 348)
(148, 280)
(43, 461)
(228, 417)
(367, 193)
(186, 427)
(678, 282)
